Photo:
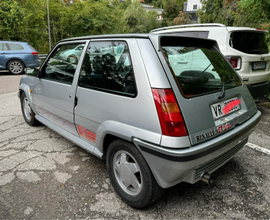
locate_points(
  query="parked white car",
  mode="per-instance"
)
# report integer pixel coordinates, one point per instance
(245, 48)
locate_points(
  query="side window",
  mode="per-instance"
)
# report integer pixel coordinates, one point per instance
(107, 67)
(15, 47)
(62, 64)
(201, 34)
(5, 46)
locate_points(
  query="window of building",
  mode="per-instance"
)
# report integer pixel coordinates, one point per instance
(194, 7)
(185, 6)
(107, 67)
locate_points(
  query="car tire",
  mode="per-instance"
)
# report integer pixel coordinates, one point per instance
(130, 175)
(28, 113)
(16, 67)
(72, 59)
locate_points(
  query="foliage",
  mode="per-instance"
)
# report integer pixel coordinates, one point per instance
(12, 18)
(170, 12)
(182, 18)
(159, 3)
(257, 11)
(152, 22)
(250, 13)
(210, 11)
(26, 20)
(137, 20)
(135, 17)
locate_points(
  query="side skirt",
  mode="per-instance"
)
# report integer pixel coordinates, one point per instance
(76, 140)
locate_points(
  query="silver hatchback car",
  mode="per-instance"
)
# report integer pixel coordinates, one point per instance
(160, 109)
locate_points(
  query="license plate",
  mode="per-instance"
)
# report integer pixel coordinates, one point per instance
(258, 65)
(219, 110)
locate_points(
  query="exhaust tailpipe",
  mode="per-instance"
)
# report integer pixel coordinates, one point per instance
(208, 178)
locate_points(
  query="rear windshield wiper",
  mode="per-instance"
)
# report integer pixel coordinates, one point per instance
(222, 93)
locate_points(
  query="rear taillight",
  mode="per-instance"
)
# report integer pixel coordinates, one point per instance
(170, 117)
(35, 53)
(235, 62)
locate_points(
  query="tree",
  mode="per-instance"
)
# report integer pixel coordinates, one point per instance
(221, 11)
(210, 11)
(136, 18)
(170, 12)
(182, 18)
(257, 12)
(12, 19)
(152, 22)
(159, 3)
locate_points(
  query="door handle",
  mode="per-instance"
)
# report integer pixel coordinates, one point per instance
(75, 101)
(70, 96)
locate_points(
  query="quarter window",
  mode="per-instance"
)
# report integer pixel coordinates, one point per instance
(107, 67)
(15, 47)
(62, 64)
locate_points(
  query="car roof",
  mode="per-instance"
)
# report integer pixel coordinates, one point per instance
(204, 26)
(154, 38)
(107, 36)
(11, 41)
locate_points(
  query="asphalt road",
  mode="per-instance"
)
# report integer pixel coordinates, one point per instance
(44, 176)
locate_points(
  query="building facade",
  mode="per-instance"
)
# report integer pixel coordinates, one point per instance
(191, 7)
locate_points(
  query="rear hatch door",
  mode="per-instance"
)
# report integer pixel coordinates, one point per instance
(210, 94)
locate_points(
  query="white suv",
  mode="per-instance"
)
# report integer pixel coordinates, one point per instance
(245, 48)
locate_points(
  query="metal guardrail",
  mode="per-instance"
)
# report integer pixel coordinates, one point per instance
(42, 56)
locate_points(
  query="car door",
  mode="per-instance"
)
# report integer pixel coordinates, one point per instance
(4, 52)
(54, 91)
(106, 79)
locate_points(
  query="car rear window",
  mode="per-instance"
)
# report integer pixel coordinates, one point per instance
(249, 42)
(31, 47)
(198, 68)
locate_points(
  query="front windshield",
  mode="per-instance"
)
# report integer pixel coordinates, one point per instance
(199, 70)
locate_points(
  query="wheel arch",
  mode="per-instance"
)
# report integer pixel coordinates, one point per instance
(108, 139)
(11, 59)
(26, 89)
(111, 130)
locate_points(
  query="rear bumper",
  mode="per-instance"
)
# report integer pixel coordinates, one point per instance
(33, 64)
(259, 90)
(172, 166)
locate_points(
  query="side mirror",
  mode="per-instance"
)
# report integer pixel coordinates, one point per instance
(32, 71)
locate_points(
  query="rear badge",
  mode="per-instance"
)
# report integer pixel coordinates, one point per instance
(206, 135)
(214, 132)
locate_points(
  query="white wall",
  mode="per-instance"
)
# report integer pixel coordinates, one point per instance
(190, 4)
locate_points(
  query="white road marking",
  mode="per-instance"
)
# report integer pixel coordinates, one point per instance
(258, 148)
